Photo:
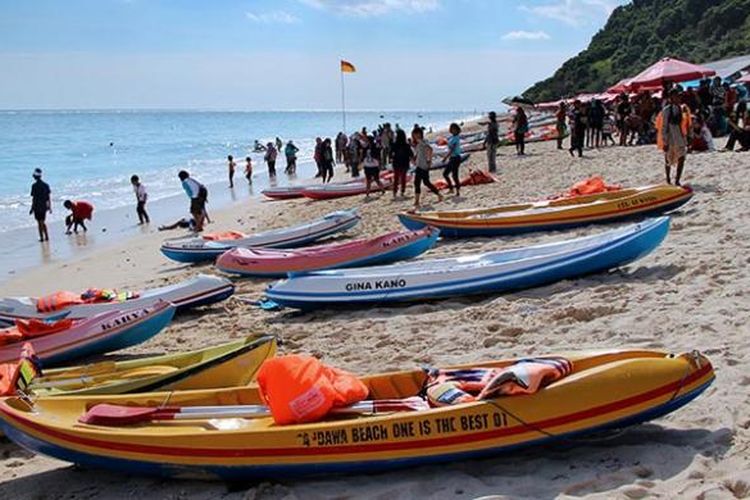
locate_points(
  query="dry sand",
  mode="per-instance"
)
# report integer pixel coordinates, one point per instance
(689, 294)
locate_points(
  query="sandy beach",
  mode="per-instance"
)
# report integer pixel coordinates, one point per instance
(691, 293)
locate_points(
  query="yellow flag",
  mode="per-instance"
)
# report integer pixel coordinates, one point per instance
(347, 67)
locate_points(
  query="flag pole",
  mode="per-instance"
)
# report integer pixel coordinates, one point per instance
(343, 100)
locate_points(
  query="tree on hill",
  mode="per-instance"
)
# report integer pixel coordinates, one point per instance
(642, 32)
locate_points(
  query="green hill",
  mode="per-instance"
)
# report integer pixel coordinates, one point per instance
(642, 32)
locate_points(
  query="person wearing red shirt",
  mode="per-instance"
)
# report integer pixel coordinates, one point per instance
(79, 211)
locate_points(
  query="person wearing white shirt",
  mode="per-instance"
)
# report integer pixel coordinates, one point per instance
(141, 196)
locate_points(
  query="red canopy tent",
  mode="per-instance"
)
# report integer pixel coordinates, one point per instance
(619, 87)
(668, 69)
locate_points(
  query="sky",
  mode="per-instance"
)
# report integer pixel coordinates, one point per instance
(284, 54)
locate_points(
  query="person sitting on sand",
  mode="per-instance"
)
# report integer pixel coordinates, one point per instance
(453, 157)
(739, 134)
(422, 161)
(40, 203)
(231, 165)
(249, 169)
(371, 166)
(198, 195)
(291, 158)
(702, 140)
(79, 211)
(184, 223)
(141, 197)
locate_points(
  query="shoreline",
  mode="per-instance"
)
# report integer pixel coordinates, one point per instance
(110, 227)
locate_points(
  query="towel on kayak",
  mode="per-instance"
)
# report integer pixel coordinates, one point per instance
(226, 235)
(301, 389)
(474, 178)
(526, 376)
(14, 376)
(592, 185)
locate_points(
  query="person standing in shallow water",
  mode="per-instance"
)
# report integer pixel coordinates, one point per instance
(141, 196)
(40, 204)
(232, 166)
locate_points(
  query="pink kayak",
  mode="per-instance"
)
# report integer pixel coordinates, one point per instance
(334, 190)
(391, 247)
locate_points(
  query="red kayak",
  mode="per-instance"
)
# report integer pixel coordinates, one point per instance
(391, 247)
(340, 190)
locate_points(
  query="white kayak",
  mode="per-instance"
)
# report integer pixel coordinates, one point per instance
(206, 247)
(198, 291)
(471, 274)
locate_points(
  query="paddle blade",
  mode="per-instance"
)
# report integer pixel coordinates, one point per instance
(113, 415)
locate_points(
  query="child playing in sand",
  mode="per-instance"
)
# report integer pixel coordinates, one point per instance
(79, 211)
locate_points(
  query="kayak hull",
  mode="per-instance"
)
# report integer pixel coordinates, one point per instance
(106, 332)
(392, 247)
(552, 216)
(478, 274)
(611, 390)
(195, 250)
(199, 291)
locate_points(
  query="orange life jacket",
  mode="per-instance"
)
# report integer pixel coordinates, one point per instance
(31, 328)
(57, 301)
(685, 124)
(19, 374)
(301, 389)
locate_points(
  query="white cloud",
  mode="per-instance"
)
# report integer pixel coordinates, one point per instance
(367, 8)
(273, 17)
(526, 35)
(574, 12)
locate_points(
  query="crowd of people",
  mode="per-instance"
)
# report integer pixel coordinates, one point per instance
(679, 120)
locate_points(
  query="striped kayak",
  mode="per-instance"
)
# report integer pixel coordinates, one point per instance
(194, 292)
(102, 333)
(554, 214)
(343, 189)
(605, 390)
(227, 365)
(199, 249)
(391, 247)
(493, 272)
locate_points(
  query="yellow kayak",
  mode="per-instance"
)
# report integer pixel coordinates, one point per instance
(551, 215)
(604, 390)
(227, 365)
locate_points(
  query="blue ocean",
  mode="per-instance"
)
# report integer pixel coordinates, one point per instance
(92, 154)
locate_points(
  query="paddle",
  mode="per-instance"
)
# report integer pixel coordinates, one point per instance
(116, 415)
